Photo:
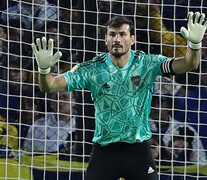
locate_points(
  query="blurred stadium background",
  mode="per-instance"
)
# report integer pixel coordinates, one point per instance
(34, 146)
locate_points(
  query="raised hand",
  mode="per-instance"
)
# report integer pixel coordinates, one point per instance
(196, 29)
(44, 55)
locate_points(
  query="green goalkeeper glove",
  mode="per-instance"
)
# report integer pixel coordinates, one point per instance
(44, 57)
(196, 29)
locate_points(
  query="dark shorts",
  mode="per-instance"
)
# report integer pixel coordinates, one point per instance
(130, 161)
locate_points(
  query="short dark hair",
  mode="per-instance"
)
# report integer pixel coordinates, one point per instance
(51, 25)
(118, 21)
(16, 62)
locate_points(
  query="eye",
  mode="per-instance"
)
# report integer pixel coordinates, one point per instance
(122, 33)
(112, 34)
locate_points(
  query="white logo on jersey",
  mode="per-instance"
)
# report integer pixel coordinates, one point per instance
(150, 170)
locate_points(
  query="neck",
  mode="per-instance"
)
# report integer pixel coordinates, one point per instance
(63, 118)
(122, 60)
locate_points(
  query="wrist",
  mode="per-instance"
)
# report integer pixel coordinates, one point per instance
(195, 46)
(44, 71)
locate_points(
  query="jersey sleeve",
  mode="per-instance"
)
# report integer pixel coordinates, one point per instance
(76, 78)
(161, 65)
(153, 63)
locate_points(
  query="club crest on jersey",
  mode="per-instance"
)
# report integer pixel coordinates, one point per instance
(136, 80)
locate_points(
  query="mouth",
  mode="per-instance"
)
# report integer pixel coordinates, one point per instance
(116, 46)
(14, 80)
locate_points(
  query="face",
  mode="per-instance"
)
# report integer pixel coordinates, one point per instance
(119, 40)
(52, 33)
(155, 110)
(179, 146)
(2, 36)
(17, 75)
(67, 102)
(27, 111)
(14, 34)
(66, 105)
(154, 148)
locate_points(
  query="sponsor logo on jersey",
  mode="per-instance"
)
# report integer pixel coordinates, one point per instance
(74, 68)
(105, 86)
(150, 170)
(136, 80)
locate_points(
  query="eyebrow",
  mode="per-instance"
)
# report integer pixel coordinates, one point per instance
(116, 32)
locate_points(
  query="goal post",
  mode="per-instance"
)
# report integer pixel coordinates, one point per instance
(41, 139)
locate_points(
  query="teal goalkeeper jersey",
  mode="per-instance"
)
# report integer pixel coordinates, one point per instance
(122, 96)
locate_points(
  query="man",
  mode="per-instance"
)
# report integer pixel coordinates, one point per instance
(172, 134)
(121, 84)
(10, 90)
(54, 128)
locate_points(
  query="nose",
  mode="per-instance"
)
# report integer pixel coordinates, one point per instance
(15, 72)
(117, 37)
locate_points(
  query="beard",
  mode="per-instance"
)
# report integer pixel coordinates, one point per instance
(117, 54)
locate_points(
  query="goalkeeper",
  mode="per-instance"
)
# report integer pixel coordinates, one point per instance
(121, 84)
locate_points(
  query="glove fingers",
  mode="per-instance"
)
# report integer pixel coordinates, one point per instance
(39, 43)
(56, 57)
(50, 44)
(34, 48)
(202, 17)
(196, 17)
(184, 32)
(44, 43)
(205, 24)
(190, 18)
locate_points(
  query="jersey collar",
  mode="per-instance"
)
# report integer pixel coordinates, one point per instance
(110, 63)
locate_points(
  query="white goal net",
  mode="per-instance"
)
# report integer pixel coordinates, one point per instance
(49, 136)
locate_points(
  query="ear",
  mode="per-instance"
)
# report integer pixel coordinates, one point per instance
(106, 40)
(133, 39)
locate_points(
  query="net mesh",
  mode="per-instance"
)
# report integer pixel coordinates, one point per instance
(45, 136)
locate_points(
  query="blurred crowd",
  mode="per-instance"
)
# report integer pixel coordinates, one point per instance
(61, 122)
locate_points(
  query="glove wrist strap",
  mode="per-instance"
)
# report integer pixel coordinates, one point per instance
(195, 46)
(44, 71)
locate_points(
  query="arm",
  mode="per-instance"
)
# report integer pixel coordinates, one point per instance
(194, 34)
(48, 83)
(190, 61)
(45, 60)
